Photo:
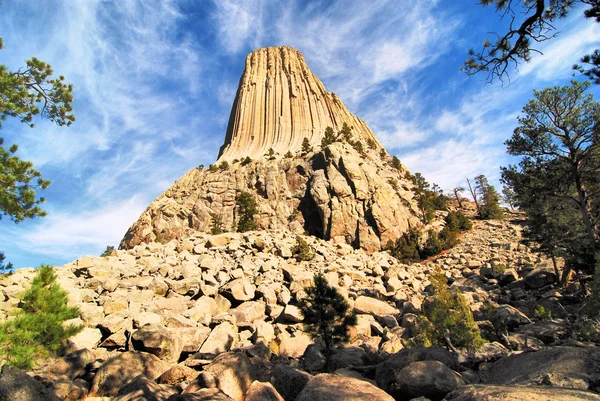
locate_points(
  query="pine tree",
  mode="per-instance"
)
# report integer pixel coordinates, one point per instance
(557, 180)
(216, 224)
(329, 137)
(301, 250)
(489, 207)
(246, 208)
(448, 320)
(327, 315)
(38, 328)
(306, 148)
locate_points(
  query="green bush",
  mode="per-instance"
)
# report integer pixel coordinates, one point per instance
(433, 245)
(542, 313)
(448, 238)
(37, 329)
(382, 154)
(301, 251)
(464, 223)
(358, 146)
(585, 329)
(406, 248)
(247, 208)
(447, 318)
(271, 154)
(213, 168)
(289, 155)
(224, 165)
(246, 161)
(327, 315)
(396, 163)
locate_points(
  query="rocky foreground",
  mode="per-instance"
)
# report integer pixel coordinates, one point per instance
(214, 318)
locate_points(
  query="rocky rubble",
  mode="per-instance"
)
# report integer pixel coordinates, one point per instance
(215, 318)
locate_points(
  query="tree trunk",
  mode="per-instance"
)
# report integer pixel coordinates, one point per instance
(457, 198)
(582, 204)
(474, 195)
(555, 267)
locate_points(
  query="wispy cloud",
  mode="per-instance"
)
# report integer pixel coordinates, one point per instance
(66, 234)
(154, 83)
(579, 37)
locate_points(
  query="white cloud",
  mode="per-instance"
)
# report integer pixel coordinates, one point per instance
(67, 234)
(238, 22)
(565, 50)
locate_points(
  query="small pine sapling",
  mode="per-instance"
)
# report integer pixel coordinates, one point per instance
(306, 148)
(38, 328)
(448, 318)
(301, 250)
(247, 208)
(216, 224)
(327, 315)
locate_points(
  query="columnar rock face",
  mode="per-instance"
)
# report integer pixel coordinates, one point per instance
(279, 102)
(346, 190)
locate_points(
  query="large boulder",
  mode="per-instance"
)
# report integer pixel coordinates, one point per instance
(431, 379)
(16, 385)
(329, 387)
(220, 340)
(144, 389)
(511, 316)
(233, 372)
(288, 381)
(480, 392)
(386, 372)
(375, 307)
(118, 371)
(259, 391)
(159, 341)
(248, 312)
(539, 278)
(238, 290)
(86, 338)
(575, 367)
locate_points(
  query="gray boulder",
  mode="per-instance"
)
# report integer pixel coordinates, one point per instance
(157, 340)
(118, 371)
(234, 373)
(288, 381)
(431, 379)
(329, 387)
(386, 372)
(16, 385)
(575, 367)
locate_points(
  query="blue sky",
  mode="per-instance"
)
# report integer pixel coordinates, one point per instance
(155, 80)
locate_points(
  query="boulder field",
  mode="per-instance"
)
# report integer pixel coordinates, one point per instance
(215, 317)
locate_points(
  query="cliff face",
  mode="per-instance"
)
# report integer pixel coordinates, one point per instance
(346, 191)
(279, 102)
(335, 193)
